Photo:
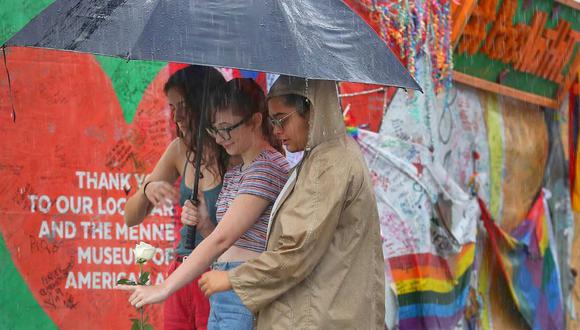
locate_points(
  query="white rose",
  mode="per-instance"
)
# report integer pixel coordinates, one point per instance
(143, 252)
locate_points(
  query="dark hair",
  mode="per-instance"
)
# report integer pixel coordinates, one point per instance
(245, 97)
(196, 84)
(299, 102)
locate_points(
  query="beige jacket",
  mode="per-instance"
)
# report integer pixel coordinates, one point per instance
(323, 267)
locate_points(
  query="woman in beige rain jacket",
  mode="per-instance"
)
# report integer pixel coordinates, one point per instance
(323, 267)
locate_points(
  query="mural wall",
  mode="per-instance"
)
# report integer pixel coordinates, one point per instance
(79, 132)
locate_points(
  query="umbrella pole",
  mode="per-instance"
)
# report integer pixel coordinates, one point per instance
(191, 230)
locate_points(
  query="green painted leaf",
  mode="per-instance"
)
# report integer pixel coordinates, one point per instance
(15, 14)
(16, 298)
(130, 79)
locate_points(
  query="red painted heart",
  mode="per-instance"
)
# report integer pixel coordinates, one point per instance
(67, 161)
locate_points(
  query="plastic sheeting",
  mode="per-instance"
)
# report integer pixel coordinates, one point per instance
(556, 181)
(429, 255)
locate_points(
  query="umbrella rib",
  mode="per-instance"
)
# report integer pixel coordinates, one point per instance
(140, 36)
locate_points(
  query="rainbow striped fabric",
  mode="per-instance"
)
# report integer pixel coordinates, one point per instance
(432, 291)
(529, 267)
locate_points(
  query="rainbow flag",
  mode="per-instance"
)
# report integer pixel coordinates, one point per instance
(528, 266)
(432, 291)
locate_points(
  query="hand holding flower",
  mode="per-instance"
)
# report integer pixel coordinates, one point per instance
(143, 252)
(145, 295)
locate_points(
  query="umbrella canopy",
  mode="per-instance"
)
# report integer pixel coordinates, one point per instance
(318, 39)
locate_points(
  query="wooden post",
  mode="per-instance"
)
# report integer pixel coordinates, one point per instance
(504, 90)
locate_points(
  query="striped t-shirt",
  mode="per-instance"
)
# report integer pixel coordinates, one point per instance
(264, 178)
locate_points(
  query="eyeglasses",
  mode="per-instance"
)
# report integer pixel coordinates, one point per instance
(279, 122)
(225, 132)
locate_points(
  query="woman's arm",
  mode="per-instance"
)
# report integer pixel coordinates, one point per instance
(160, 188)
(240, 216)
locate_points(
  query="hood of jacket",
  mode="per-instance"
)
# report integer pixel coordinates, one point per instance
(325, 117)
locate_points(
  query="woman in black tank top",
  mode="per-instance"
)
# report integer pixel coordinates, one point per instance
(187, 91)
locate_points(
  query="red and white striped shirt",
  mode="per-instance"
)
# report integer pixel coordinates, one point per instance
(264, 178)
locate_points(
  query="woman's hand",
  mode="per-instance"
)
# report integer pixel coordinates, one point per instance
(192, 215)
(145, 295)
(214, 281)
(160, 193)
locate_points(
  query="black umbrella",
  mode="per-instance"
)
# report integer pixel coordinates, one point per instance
(318, 39)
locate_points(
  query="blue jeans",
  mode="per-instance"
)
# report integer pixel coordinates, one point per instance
(226, 309)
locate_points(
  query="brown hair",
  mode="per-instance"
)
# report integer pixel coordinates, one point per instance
(245, 97)
(195, 84)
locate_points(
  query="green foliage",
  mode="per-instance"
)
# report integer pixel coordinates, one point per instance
(125, 281)
(144, 278)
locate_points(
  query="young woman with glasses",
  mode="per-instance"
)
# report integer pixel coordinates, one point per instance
(239, 124)
(187, 91)
(323, 267)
